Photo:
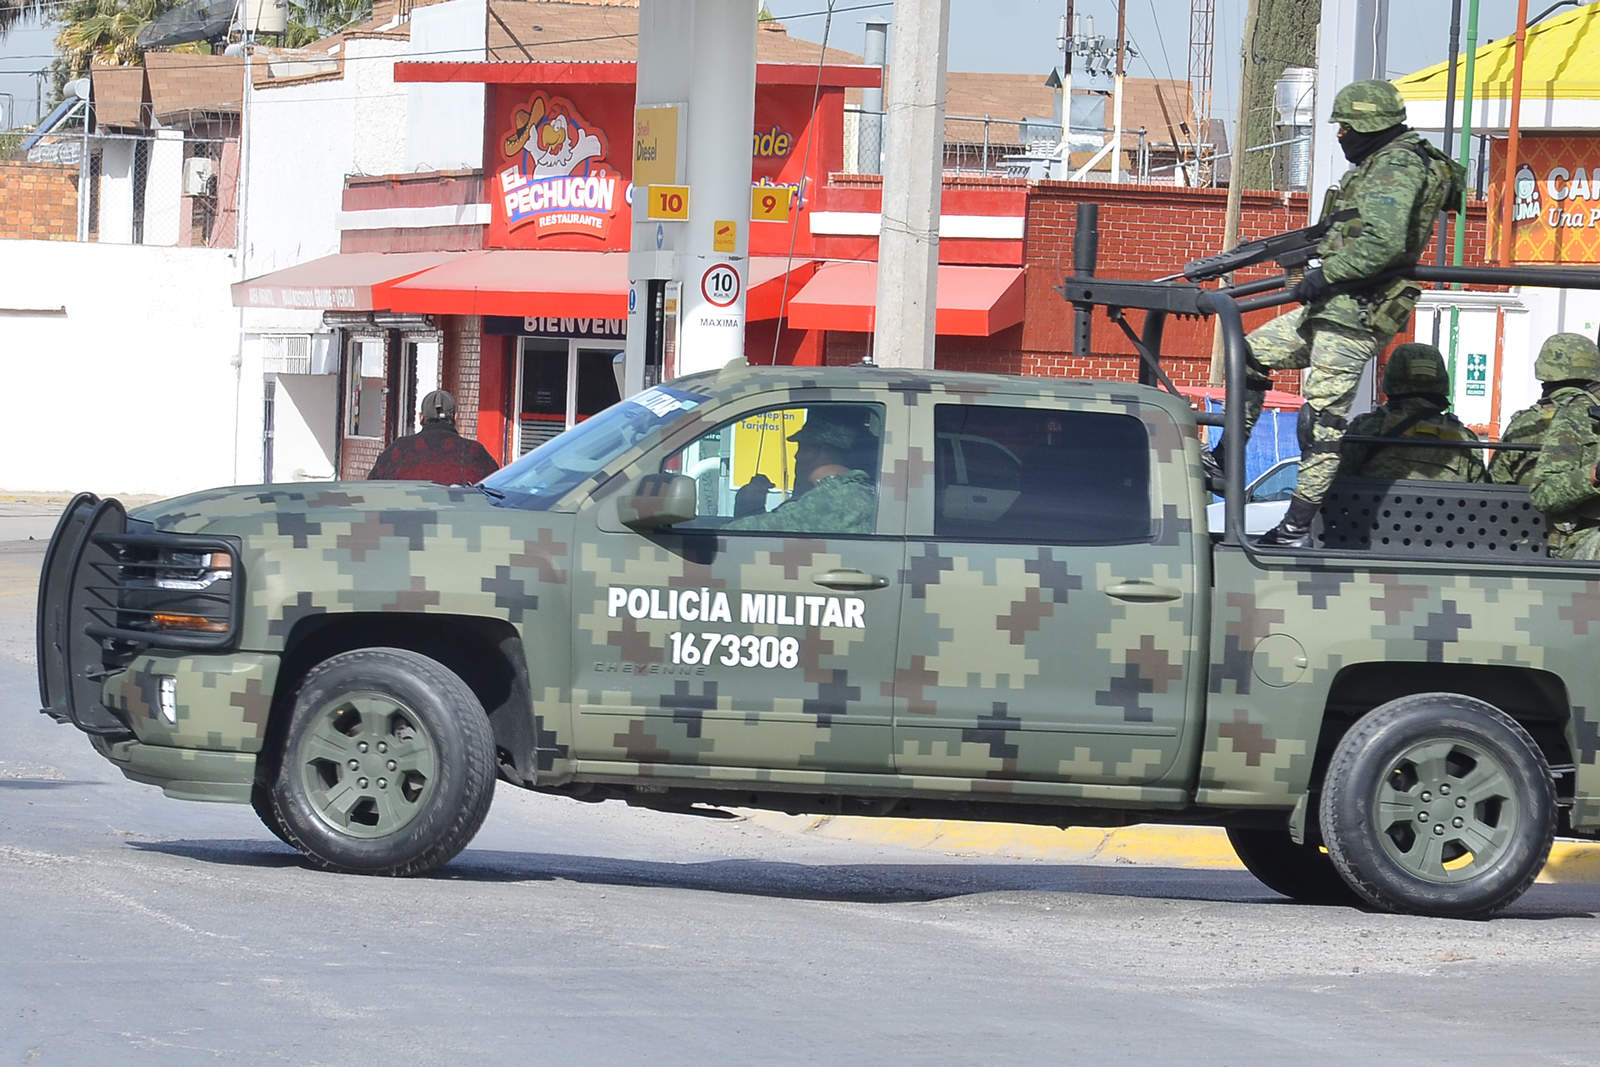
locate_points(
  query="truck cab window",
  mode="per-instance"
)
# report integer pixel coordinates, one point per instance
(1041, 474)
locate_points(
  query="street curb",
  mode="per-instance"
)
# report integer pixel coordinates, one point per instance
(1571, 862)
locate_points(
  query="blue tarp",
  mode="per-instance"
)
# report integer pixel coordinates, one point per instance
(1274, 439)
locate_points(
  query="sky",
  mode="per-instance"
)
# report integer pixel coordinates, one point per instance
(1019, 36)
(1004, 36)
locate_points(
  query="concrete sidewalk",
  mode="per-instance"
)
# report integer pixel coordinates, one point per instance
(1160, 846)
(32, 516)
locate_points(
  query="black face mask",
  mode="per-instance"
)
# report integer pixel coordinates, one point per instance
(1357, 146)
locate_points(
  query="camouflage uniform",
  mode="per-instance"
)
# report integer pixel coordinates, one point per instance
(1564, 357)
(839, 503)
(1396, 191)
(1526, 427)
(1562, 484)
(1418, 387)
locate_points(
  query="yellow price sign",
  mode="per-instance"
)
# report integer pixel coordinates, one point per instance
(669, 203)
(769, 203)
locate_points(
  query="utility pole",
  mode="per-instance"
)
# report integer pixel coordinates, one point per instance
(1230, 218)
(1116, 90)
(1065, 43)
(913, 173)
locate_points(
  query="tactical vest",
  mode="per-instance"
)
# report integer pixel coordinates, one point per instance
(1443, 464)
(1385, 309)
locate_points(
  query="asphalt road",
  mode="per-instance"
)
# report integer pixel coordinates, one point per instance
(136, 929)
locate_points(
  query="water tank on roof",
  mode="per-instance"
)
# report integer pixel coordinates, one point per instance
(264, 16)
(1294, 96)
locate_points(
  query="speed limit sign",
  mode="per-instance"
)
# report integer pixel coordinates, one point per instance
(720, 285)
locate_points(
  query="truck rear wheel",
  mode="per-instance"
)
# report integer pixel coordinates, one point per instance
(1300, 872)
(388, 766)
(1438, 804)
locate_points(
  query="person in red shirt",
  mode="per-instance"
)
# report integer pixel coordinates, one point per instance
(438, 453)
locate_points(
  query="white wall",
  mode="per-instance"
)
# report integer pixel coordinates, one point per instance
(444, 128)
(378, 137)
(131, 389)
(305, 418)
(116, 191)
(163, 189)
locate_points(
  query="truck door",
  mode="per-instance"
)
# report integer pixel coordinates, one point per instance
(1055, 640)
(759, 635)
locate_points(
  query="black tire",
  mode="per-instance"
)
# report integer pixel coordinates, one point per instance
(388, 767)
(267, 812)
(1300, 872)
(1438, 804)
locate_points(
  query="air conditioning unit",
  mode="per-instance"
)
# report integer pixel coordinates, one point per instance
(199, 176)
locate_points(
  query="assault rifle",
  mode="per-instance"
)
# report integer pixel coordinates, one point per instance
(1290, 251)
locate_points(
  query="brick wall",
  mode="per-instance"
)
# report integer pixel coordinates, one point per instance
(460, 370)
(357, 455)
(1145, 232)
(38, 201)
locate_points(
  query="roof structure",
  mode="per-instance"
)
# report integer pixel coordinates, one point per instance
(545, 31)
(1157, 105)
(1560, 80)
(184, 81)
(169, 84)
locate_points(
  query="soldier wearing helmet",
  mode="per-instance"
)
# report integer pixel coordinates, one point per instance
(1418, 389)
(1385, 207)
(438, 453)
(1565, 357)
(1564, 483)
(833, 492)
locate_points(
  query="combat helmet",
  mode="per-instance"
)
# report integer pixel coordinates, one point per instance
(1566, 357)
(842, 428)
(1369, 106)
(1416, 368)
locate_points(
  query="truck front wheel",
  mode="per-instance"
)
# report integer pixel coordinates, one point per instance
(1438, 804)
(388, 764)
(1300, 872)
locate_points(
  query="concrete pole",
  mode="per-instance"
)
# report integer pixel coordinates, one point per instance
(1241, 126)
(1116, 94)
(1352, 45)
(701, 56)
(913, 168)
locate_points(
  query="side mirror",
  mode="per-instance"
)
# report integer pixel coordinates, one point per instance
(658, 500)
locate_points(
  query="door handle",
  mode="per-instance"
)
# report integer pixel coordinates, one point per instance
(845, 578)
(1143, 592)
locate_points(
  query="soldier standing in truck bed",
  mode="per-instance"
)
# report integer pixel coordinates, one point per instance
(1564, 480)
(1417, 386)
(1398, 184)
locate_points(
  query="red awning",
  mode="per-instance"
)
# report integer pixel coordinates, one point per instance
(341, 282)
(972, 301)
(518, 282)
(572, 284)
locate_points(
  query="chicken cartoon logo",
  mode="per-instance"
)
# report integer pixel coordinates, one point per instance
(1527, 189)
(557, 178)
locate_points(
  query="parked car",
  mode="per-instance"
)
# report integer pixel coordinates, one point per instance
(1265, 499)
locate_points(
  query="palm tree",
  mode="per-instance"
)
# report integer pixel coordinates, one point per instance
(12, 11)
(106, 31)
(312, 20)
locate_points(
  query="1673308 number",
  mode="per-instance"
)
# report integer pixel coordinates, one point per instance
(734, 650)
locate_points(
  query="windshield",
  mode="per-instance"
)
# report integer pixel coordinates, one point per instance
(549, 472)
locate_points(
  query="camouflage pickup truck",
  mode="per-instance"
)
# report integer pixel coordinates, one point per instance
(1007, 605)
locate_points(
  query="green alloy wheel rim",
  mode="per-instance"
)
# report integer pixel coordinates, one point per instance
(367, 764)
(1446, 811)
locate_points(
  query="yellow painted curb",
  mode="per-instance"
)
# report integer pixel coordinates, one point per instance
(1163, 846)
